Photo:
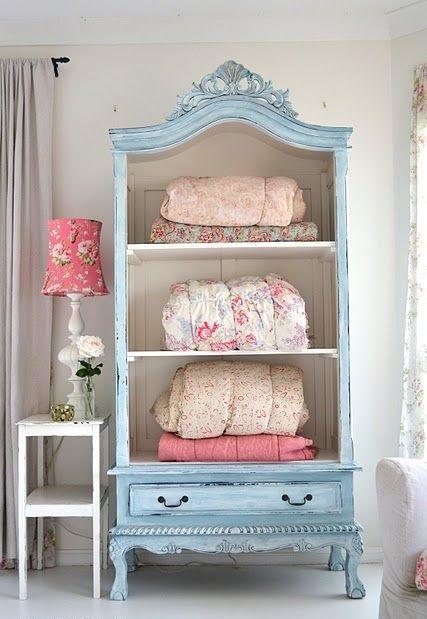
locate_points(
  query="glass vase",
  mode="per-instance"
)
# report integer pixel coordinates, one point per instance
(89, 389)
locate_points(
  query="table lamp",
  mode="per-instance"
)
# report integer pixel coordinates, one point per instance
(74, 270)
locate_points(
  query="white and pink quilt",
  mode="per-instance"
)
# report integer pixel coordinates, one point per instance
(234, 201)
(211, 398)
(246, 313)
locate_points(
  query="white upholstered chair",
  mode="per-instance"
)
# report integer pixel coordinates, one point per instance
(402, 505)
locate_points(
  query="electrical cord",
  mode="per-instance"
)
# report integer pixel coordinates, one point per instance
(62, 526)
(50, 462)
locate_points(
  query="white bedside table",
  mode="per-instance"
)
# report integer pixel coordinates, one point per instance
(67, 501)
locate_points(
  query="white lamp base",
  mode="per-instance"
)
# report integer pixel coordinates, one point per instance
(69, 356)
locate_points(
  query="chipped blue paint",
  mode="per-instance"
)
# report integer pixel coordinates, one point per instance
(228, 95)
(120, 305)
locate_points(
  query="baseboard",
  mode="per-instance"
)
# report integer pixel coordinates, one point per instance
(371, 554)
(68, 557)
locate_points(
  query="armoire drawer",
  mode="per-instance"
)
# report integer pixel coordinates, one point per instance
(292, 497)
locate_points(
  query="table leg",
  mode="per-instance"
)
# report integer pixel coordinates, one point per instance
(40, 483)
(96, 512)
(22, 520)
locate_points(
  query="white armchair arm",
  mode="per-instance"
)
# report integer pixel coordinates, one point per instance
(402, 505)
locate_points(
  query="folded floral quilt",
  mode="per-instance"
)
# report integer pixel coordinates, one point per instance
(176, 315)
(253, 313)
(211, 315)
(246, 313)
(164, 231)
(253, 448)
(211, 398)
(233, 201)
(290, 319)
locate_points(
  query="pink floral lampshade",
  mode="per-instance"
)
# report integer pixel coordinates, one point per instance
(74, 261)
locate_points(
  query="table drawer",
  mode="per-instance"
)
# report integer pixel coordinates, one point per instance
(291, 497)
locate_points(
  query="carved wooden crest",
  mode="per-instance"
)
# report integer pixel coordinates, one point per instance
(228, 80)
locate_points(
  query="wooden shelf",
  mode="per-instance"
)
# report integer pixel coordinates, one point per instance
(319, 352)
(61, 501)
(138, 253)
(150, 457)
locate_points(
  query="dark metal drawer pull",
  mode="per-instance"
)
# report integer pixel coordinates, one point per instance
(183, 499)
(308, 497)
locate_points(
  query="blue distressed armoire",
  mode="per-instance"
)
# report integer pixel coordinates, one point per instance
(231, 122)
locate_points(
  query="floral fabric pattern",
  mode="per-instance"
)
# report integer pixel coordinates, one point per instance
(233, 201)
(247, 313)
(421, 572)
(289, 412)
(283, 202)
(413, 432)
(176, 319)
(290, 318)
(212, 320)
(74, 263)
(208, 399)
(253, 313)
(164, 231)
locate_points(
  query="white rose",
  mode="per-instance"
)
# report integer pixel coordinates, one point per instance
(90, 346)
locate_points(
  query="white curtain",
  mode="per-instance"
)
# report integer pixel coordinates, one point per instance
(413, 433)
(26, 106)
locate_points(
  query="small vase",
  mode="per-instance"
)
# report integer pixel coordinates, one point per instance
(89, 390)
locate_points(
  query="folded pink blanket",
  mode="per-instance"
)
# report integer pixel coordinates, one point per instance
(252, 448)
(234, 201)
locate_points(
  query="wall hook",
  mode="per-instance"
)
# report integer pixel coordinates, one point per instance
(56, 61)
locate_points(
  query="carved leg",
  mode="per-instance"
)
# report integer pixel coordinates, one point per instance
(131, 560)
(119, 590)
(353, 584)
(336, 561)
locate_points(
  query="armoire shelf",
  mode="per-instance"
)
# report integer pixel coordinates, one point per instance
(150, 457)
(321, 352)
(314, 250)
(232, 123)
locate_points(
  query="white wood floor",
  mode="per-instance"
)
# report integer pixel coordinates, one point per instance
(210, 592)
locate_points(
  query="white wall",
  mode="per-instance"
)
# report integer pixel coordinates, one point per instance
(331, 83)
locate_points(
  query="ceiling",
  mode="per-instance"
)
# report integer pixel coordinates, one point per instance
(26, 22)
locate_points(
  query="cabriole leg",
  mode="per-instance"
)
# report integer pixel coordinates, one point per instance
(353, 584)
(131, 560)
(119, 590)
(336, 561)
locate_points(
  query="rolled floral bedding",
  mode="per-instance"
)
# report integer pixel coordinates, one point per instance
(211, 398)
(234, 201)
(246, 313)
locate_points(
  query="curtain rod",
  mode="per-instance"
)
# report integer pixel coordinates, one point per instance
(56, 61)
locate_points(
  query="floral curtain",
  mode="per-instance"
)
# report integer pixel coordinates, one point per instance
(413, 433)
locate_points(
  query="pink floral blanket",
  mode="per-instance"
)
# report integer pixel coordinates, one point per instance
(234, 201)
(246, 313)
(164, 231)
(211, 398)
(258, 448)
